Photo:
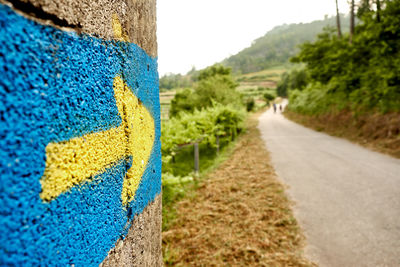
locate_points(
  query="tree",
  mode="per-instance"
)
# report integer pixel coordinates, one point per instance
(339, 31)
(278, 45)
(213, 71)
(217, 88)
(363, 8)
(183, 101)
(351, 21)
(215, 85)
(173, 81)
(283, 85)
(363, 76)
(294, 80)
(268, 97)
(378, 10)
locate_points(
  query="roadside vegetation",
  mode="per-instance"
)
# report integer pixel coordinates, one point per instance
(234, 210)
(349, 84)
(210, 109)
(343, 81)
(209, 114)
(214, 111)
(236, 215)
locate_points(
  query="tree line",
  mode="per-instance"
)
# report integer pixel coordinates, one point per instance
(358, 70)
(277, 46)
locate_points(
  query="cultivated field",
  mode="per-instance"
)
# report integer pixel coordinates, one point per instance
(165, 103)
(253, 85)
(256, 84)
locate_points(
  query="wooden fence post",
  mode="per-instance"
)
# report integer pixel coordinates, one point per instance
(196, 158)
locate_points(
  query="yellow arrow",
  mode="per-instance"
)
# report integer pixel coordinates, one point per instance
(74, 161)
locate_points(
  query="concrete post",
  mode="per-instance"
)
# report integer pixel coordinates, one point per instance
(80, 163)
(217, 142)
(196, 158)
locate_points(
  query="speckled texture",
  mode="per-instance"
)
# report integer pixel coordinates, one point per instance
(56, 86)
(142, 245)
(93, 17)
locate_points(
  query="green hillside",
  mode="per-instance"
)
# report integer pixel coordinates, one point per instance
(278, 45)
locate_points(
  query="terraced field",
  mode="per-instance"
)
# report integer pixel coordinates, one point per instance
(251, 85)
(165, 103)
(256, 84)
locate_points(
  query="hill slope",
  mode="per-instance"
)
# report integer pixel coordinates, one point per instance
(278, 45)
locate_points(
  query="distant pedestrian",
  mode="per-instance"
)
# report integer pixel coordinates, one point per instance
(274, 107)
(280, 108)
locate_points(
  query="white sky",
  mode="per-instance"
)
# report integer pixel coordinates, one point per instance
(202, 32)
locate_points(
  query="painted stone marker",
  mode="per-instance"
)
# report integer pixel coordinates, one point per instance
(79, 141)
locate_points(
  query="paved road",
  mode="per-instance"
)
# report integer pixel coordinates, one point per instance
(347, 197)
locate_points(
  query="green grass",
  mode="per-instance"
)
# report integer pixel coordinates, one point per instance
(271, 74)
(184, 159)
(182, 182)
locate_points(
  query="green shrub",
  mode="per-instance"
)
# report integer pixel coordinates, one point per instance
(205, 124)
(215, 84)
(317, 99)
(173, 188)
(268, 96)
(296, 79)
(182, 101)
(363, 75)
(250, 104)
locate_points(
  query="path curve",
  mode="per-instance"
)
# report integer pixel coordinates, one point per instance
(347, 198)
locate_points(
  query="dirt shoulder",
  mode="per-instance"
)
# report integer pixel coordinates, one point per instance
(378, 132)
(239, 215)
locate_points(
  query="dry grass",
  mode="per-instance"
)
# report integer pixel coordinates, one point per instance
(239, 216)
(379, 132)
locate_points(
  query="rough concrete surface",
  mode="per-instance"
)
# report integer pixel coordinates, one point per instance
(138, 17)
(60, 89)
(139, 248)
(347, 197)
